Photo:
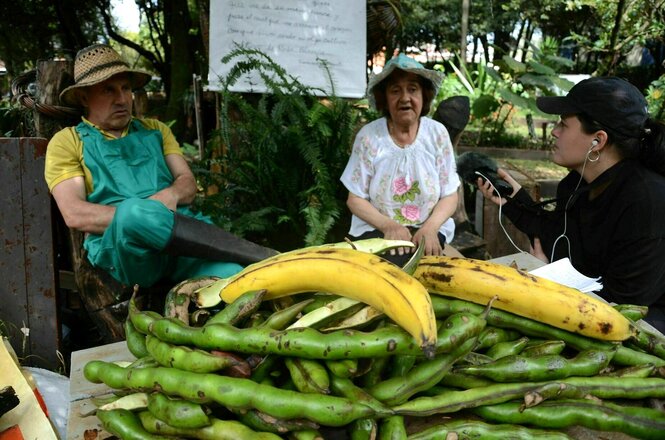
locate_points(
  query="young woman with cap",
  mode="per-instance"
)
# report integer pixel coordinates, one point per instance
(401, 174)
(610, 207)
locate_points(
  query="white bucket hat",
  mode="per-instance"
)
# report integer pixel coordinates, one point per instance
(406, 64)
(98, 63)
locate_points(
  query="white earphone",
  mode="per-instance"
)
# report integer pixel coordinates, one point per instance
(594, 143)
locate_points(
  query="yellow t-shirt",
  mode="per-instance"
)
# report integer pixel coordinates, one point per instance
(64, 154)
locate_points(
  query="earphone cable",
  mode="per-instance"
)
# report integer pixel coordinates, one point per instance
(503, 228)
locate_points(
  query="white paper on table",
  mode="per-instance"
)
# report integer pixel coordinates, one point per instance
(563, 272)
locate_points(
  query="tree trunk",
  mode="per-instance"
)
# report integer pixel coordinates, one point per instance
(614, 54)
(465, 30)
(527, 39)
(518, 39)
(177, 23)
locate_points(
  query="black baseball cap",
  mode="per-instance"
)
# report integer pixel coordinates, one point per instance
(613, 102)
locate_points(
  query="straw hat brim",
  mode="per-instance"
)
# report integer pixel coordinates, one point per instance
(408, 65)
(139, 78)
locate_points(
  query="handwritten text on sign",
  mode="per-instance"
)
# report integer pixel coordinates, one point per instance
(296, 34)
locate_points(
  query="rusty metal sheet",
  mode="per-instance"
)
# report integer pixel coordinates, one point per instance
(29, 297)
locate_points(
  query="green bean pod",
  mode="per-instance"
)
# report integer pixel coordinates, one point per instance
(639, 371)
(306, 434)
(507, 348)
(493, 335)
(597, 386)
(640, 422)
(299, 342)
(146, 361)
(260, 421)
(633, 312)
(142, 320)
(649, 342)
(396, 390)
(125, 425)
(475, 429)
(346, 388)
(392, 428)
(474, 358)
(543, 348)
(135, 340)
(238, 310)
(178, 413)
(519, 368)
(464, 381)
(266, 366)
(376, 372)
(232, 392)
(190, 359)
(257, 319)
(363, 429)
(308, 375)
(402, 364)
(281, 319)
(176, 305)
(218, 430)
(462, 328)
(343, 367)
(318, 300)
(604, 387)
(498, 318)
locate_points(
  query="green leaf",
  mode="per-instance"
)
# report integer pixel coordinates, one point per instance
(513, 64)
(484, 105)
(536, 80)
(514, 98)
(541, 68)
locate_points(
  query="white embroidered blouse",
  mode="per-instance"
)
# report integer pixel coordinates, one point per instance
(402, 183)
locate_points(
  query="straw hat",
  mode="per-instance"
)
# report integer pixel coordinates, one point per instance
(406, 64)
(98, 63)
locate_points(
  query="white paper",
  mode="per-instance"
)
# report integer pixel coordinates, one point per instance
(563, 272)
(296, 34)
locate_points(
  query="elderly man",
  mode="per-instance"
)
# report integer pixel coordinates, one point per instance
(124, 182)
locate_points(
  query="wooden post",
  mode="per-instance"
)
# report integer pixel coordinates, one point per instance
(52, 78)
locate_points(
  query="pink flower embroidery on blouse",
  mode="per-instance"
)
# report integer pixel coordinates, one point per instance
(400, 186)
(411, 212)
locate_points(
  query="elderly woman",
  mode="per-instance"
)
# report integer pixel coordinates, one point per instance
(401, 174)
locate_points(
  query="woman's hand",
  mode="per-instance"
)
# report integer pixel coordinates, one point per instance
(488, 192)
(537, 250)
(432, 243)
(395, 231)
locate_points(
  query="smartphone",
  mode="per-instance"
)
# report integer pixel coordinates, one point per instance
(504, 188)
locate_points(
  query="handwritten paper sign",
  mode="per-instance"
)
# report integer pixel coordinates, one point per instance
(296, 34)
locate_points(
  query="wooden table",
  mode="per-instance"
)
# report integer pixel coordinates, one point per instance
(82, 392)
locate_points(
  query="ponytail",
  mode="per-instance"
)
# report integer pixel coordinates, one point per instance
(649, 148)
(652, 146)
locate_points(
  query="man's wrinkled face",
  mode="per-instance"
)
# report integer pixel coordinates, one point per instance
(109, 103)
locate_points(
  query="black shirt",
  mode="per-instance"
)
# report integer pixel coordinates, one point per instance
(615, 228)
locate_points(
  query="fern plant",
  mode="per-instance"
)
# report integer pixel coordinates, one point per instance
(278, 180)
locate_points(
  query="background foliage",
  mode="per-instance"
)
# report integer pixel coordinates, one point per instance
(271, 171)
(283, 154)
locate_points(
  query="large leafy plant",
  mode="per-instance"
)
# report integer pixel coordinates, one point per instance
(283, 152)
(497, 91)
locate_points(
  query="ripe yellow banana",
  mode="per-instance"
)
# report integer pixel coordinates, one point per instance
(345, 272)
(524, 294)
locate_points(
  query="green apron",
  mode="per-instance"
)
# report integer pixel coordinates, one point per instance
(125, 172)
